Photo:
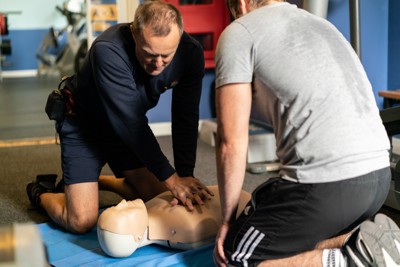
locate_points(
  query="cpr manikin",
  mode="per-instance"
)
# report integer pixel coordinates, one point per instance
(132, 224)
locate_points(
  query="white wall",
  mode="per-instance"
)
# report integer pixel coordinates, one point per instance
(33, 14)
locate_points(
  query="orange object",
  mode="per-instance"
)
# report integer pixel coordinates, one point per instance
(390, 98)
(3, 24)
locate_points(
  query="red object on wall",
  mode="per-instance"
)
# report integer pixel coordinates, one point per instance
(3, 24)
(204, 20)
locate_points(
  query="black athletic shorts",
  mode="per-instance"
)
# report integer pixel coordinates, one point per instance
(83, 156)
(286, 218)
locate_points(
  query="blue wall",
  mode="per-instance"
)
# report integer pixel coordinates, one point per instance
(24, 44)
(29, 21)
(374, 17)
(394, 46)
(380, 38)
(162, 112)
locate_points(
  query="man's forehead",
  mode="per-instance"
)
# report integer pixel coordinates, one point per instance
(160, 45)
(148, 31)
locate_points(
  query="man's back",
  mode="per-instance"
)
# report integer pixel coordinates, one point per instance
(309, 84)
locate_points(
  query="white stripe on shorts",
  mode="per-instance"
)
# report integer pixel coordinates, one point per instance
(247, 245)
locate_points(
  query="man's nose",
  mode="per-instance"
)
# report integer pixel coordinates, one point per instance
(158, 62)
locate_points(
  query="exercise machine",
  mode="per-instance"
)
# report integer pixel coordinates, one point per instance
(63, 51)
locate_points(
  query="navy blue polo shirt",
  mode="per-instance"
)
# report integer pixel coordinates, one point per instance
(114, 93)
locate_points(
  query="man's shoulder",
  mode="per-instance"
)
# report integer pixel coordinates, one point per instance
(190, 42)
(113, 40)
(189, 51)
(115, 33)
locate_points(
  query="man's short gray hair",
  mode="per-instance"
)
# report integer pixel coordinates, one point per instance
(159, 15)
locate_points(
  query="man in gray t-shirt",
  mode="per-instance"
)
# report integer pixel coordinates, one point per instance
(279, 64)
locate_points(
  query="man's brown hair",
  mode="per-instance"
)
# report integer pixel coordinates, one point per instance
(159, 15)
(233, 5)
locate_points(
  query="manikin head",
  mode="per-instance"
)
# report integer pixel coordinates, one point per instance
(156, 29)
(121, 228)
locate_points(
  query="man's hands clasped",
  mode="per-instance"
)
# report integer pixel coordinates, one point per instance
(188, 191)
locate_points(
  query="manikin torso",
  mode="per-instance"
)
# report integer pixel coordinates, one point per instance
(132, 224)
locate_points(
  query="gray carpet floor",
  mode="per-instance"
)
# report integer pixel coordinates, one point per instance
(20, 165)
(22, 116)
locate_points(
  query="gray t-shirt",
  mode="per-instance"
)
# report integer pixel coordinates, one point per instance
(309, 84)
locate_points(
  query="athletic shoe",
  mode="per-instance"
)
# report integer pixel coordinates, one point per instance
(374, 244)
(44, 183)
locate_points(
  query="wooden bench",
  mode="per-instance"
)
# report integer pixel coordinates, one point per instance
(390, 97)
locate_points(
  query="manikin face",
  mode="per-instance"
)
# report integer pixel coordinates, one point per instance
(154, 53)
(128, 217)
(120, 229)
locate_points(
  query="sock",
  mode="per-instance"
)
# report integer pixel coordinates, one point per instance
(333, 258)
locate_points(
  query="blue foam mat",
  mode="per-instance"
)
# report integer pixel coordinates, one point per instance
(66, 249)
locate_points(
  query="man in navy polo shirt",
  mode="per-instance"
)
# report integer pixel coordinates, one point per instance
(126, 70)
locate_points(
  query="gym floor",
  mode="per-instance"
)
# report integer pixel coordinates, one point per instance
(27, 149)
(22, 102)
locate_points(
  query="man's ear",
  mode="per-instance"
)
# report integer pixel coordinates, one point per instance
(244, 7)
(132, 32)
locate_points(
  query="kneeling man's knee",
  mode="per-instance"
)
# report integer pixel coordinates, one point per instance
(81, 224)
